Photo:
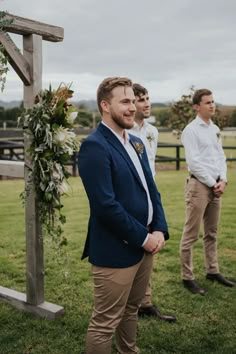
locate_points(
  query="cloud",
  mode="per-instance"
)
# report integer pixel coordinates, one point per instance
(168, 46)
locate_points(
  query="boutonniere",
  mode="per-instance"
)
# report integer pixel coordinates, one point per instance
(218, 135)
(139, 148)
(150, 138)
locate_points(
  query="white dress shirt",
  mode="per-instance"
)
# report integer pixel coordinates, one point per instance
(149, 135)
(203, 151)
(134, 157)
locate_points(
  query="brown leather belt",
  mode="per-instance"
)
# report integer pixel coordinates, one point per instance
(192, 176)
(217, 180)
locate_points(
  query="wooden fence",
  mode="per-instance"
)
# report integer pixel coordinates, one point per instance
(177, 158)
(14, 151)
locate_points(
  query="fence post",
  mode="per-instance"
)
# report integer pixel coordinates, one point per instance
(32, 49)
(177, 157)
(74, 164)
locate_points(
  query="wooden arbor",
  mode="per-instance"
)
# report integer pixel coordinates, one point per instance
(28, 66)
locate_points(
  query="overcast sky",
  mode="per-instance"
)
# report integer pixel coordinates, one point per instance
(166, 45)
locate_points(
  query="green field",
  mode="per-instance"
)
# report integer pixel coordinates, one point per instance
(205, 324)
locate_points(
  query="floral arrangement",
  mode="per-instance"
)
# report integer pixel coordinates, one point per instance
(139, 147)
(49, 125)
(150, 138)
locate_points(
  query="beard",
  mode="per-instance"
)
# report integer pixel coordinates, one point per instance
(121, 122)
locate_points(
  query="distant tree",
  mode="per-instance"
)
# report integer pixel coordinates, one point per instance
(10, 115)
(97, 118)
(82, 106)
(184, 113)
(222, 120)
(13, 113)
(162, 116)
(84, 118)
(233, 119)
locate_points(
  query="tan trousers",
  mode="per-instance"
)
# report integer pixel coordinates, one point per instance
(201, 204)
(147, 301)
(117, 296)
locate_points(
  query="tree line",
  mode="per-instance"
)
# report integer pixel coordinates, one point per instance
(174, 116)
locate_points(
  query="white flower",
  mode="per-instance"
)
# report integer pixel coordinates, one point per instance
(57, 172)
(71, 117)
(150, 137)
(60, 136)
(69, 150)
(63, 187)
(71, 135)
(65, 139)
(56, 175)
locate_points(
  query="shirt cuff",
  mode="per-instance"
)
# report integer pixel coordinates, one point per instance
(223, 179)
(146, 239)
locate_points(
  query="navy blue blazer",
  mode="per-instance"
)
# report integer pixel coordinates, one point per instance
(118, 201)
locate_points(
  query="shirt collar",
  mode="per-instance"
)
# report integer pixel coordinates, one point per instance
(200, 121)
(124, 140)
(137, 126)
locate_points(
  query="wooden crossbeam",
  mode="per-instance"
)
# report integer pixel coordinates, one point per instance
(33, 33)
(16, 59)
(18, 300)
(25, 26)
(12, 168)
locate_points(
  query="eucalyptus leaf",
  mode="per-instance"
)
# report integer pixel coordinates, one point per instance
(48, 119)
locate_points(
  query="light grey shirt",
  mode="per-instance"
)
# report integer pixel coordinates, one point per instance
(149, 135)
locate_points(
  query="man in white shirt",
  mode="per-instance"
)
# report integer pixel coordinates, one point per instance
(149, 135)
(144, 130)
(204, 187)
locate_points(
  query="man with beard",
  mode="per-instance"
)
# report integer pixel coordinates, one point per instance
(149, 135)
(127, 224)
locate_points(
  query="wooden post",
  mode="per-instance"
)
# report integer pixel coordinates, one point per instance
(178, 158)
(32, 51)
(29, 68)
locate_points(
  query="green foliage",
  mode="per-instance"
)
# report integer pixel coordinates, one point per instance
(87, 118)
(220, 119)
(233, 119)
(205, 324)
(3, 58)
(84, 118)
(10, 115)
(182, 113)
(49, 125)
(162, 116)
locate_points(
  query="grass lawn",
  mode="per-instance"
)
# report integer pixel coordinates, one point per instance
(205, 324)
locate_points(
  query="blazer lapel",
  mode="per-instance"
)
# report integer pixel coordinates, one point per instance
(142, 159)
(120, 149)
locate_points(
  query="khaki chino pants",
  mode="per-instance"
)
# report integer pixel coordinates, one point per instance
(201, 204)
(147, 300)
(117, 296)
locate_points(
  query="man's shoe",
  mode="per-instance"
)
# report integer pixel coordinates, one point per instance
(220, 279)
(193, 287)
(152, 311)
